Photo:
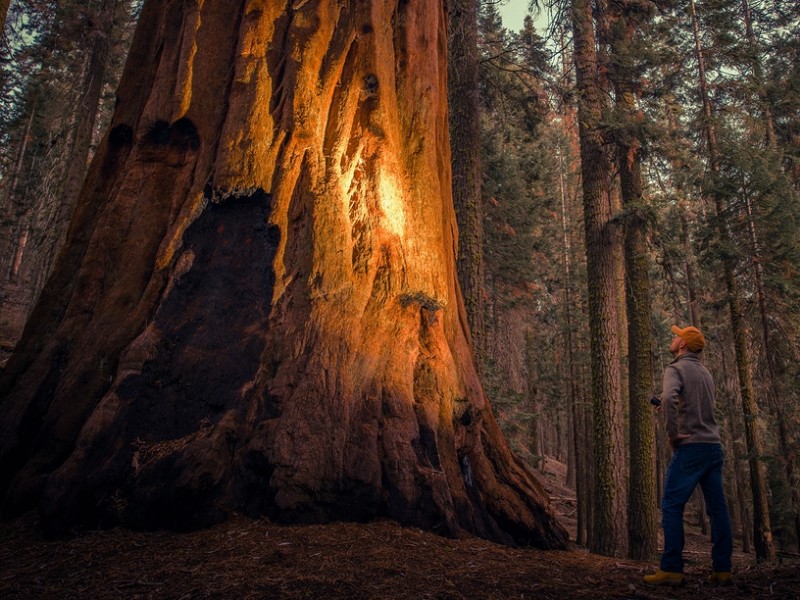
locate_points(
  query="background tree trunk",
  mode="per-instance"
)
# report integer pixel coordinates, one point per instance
(762, 536)
(568, 160)
(4, 4)
(17, 248)
(610, 533)
(586, 427)
(758, 77)
(80, 53)
(536, 443)
(573, 383)
(738, 501)
(775, 395)
(86, 117)
(465, 142)
(257, 308)
(642, 527)
(692, 300)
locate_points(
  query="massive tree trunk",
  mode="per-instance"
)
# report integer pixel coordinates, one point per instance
(257, 308)
(610, 535)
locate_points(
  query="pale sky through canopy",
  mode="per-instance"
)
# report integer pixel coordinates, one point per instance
(513, 13)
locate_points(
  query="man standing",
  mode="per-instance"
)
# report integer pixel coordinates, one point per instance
(687, 399)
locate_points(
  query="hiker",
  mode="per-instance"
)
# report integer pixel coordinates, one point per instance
(687, 402)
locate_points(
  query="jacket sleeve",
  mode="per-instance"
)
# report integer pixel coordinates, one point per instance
(671, 387)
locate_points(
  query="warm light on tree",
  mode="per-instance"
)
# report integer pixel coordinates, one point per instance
(257, 309)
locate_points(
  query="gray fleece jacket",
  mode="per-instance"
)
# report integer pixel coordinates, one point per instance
(688, 400)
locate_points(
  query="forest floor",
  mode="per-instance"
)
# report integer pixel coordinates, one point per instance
(243, 559)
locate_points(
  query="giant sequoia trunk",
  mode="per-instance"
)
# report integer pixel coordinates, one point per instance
(257, 307)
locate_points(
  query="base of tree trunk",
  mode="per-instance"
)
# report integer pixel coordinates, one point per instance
(189, 432)
(257, 310)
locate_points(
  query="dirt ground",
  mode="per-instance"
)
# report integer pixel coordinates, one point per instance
(243, 559)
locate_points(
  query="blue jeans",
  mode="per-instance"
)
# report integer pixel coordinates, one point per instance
(694, 464)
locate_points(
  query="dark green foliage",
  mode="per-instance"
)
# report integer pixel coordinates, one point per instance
(41, 81)
(530, 178)
(514, 103)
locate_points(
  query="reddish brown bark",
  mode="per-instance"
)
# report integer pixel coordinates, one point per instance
(257, 309)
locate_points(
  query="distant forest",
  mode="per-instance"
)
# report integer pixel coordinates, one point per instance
(633, 166)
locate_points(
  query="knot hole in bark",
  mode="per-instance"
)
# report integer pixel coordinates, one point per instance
(182, 134)
(425, 448)
(158, 134)
(121, 135)
(467, 418)
(371, 84)
(466, 470)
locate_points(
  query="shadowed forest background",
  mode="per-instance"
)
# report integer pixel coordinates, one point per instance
(633, 166)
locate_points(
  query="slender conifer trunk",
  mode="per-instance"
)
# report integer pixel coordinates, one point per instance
(642, 526)
(788, 454)
(86, 116)
(465, 142)
(739, 483)
(762, 536)
(610, 532)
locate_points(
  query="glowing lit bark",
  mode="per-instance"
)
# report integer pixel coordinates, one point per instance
(257, 309)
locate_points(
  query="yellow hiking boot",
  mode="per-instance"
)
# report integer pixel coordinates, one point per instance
(721, 578)
(664, 578)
